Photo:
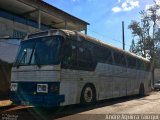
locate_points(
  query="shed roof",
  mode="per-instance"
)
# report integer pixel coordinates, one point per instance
(49, 15)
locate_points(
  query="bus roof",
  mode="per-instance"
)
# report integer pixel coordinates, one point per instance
(68, 33)
(98, 42)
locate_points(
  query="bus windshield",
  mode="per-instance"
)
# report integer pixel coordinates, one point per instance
(39, 51)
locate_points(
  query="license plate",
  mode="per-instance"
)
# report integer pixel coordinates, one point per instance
(24, 102)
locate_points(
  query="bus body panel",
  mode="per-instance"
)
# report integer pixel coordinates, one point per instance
(28, 77)
(36, 74)
(111, 77)
(110, 82)
(72, 83)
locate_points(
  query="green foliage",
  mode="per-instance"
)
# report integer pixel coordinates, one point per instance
(133, 47)
(147, 34)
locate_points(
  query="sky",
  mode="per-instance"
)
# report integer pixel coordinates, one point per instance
(105, 17)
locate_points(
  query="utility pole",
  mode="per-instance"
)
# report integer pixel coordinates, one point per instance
(123, 39)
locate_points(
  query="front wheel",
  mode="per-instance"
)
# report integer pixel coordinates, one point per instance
(88, 94)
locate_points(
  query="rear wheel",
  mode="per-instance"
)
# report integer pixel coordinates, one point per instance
(88, 94)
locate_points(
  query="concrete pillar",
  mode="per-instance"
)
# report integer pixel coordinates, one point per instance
(39, 19)
(65, 27)
(86, 30)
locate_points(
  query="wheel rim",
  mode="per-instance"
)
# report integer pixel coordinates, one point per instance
(88, 95)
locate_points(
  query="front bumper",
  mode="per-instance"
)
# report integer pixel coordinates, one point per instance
(41, 100)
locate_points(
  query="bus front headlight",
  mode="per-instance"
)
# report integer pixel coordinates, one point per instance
(14, 87)
(42, 88)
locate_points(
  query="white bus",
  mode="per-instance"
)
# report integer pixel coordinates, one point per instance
(62, 67)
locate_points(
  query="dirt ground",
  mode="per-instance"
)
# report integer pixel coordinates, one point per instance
(126, 108)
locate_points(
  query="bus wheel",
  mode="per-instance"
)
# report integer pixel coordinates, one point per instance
(141, 91)
(88, 95)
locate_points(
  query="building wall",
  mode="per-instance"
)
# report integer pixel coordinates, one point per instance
(14, 29)
(156, 74)
(8, 49)
(5, 76)
(13, 25)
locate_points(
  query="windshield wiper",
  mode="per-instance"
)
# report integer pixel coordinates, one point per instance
(18, 64)
(33, 52)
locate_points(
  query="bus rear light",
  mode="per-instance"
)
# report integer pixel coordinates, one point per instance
(14, 87)
(42, 88)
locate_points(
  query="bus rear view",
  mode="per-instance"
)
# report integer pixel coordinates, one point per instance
(36, 72)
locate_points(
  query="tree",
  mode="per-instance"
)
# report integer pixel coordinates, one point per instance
(132, 47)
(147, 33)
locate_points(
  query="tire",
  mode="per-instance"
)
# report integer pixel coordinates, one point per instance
(141, 91)
(88, 94)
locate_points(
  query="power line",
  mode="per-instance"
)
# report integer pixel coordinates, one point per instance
(107, 37)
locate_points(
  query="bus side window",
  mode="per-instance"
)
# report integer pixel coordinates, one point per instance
(138, 64)
(69, 56)
(131, 62)
(142, 65)
(108, 56)
(103, 55)
(119, 59)
(73, 58)
(84, 58)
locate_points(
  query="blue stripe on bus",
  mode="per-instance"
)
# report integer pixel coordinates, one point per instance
(30, 87)
(27, 91)
(45, 100)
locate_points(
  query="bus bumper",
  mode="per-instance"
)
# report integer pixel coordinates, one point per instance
(37, 100)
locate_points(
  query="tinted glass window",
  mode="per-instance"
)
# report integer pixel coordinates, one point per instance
(131, 62)
(146, 66)
(42, 51)
(119, 59)
(47, 51)
(103, 55)
(76, 57)
(142, 65)
(69, 55)
(25, 56)
(84, 58)
(107, 56)
(139, 64)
